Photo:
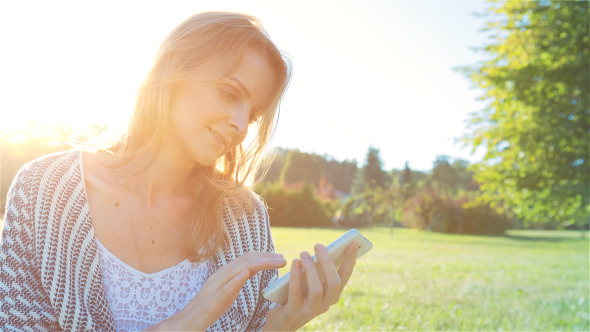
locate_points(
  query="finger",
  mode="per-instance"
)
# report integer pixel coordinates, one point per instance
(345, 271)
(260, 264)
(253, 262)
(314, 285)
(294, 300)
(247, 258)
(224, 298)
(332, 284)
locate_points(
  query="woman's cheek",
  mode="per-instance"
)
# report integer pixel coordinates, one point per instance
(235, 142)
(238, 140)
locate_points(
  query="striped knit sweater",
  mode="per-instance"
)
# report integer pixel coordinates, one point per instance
(50, 276)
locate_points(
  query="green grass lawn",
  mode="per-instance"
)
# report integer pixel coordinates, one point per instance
(412, 280)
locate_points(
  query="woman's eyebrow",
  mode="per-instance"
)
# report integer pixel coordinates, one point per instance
(241, 86)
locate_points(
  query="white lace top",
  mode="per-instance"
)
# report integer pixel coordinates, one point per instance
(139, 300)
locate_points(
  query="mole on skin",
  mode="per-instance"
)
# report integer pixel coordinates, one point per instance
(116, 204)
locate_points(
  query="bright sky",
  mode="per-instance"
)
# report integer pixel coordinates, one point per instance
(365, 72)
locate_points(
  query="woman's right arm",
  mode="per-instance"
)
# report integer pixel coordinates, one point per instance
(219, 292)
(23, 302)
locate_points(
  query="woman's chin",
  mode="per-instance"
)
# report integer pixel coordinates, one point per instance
(204, 157)
(205, 160)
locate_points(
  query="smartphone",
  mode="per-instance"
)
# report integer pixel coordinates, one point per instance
(278, 291)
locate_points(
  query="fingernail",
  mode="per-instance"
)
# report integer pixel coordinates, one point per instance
(319, 247)
(305, 254)
(278, 255)
(278, 260)
(294, 263)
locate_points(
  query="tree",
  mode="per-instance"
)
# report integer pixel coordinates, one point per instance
(279, 157)
(536, 125)
(406, 177)
(339, 173)
(301, 167)
(464, 176)
(294, 208)
(444, 176)
(371, 175)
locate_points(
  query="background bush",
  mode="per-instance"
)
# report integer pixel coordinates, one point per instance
(295, 208)
(428, 210)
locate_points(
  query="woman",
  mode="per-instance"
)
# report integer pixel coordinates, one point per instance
(159, 228)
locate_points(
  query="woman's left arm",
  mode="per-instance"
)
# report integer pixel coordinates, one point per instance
(301, 309)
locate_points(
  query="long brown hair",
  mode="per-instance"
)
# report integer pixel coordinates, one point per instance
(218, 36)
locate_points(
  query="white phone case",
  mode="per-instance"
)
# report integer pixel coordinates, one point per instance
(278, 291)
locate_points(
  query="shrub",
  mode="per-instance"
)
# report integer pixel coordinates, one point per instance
(372, 206)
(427, 210)
(481, 219)
(294, 208)
(423, 208)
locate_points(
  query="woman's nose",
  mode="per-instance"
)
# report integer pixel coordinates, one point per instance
(238, 120)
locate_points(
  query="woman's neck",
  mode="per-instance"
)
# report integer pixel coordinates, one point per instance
(169, 174)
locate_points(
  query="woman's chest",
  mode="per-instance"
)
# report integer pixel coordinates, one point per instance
(149, 239)
(148, 250)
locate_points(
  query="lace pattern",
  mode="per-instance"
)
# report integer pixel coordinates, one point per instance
(139, 300)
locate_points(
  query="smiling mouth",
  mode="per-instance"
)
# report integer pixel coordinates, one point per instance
(217, 136)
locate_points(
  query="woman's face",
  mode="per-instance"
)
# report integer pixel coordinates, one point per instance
(210, 110)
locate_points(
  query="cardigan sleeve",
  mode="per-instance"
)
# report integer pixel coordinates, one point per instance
(268, 276)
(24, 304)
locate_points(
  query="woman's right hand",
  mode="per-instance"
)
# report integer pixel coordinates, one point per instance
(219, 292)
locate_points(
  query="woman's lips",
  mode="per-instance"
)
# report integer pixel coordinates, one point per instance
(217, 138)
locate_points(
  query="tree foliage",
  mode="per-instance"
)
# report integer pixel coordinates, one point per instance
(371, 175)
(301, 167)
(295, 208)
(536, 125)
(338, 173)
(444, 175)
(279, 157)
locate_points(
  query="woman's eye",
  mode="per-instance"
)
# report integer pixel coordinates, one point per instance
(228, 96)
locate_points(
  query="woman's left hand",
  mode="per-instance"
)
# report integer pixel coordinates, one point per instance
(301, 309)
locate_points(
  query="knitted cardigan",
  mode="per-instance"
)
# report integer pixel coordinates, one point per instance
(50, 276)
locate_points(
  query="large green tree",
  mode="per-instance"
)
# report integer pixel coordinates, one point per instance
(536, 125)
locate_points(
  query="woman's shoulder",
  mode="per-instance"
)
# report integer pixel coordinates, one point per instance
(247, 203)
(47, 170)
(246, 219)
(52, 162)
